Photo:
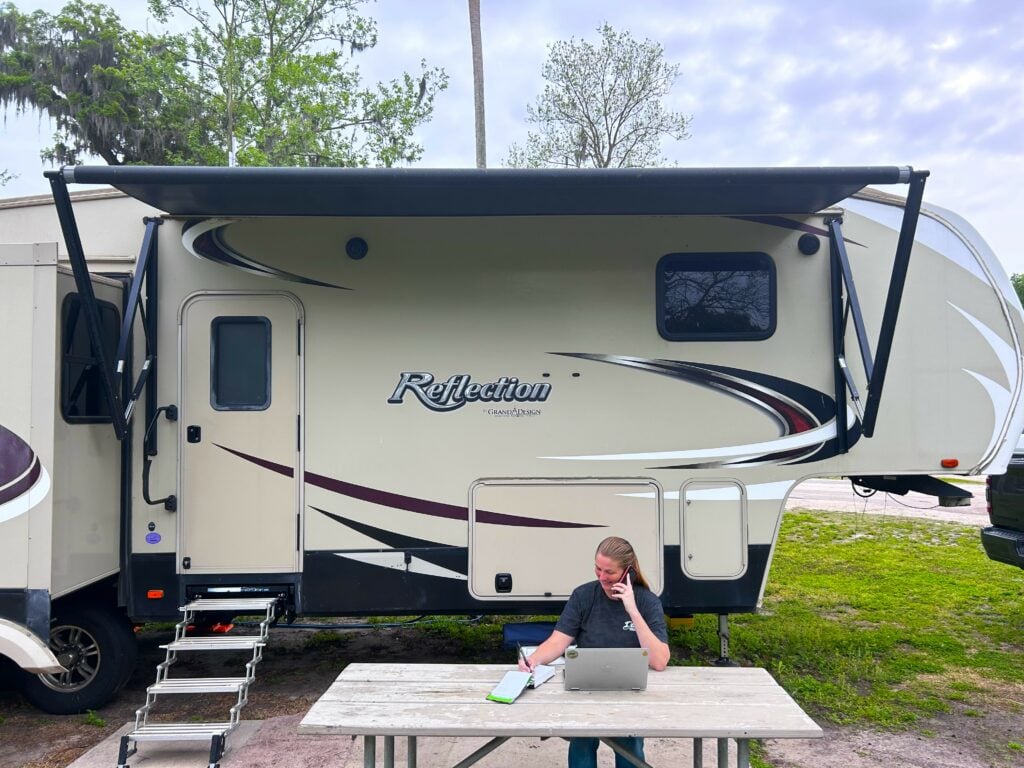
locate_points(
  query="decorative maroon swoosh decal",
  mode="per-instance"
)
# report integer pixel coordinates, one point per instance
(16, 456)
(408, 503)
(16, 489)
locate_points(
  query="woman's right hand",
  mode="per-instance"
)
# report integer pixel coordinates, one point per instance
(526, 665)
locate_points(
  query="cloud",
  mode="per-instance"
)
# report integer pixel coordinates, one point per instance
(931, 83)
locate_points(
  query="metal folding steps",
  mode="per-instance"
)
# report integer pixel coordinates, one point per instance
(216, 733)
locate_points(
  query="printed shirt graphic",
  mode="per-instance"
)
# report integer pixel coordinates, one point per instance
(597, 621)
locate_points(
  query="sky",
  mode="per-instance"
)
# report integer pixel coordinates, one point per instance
(934, 84)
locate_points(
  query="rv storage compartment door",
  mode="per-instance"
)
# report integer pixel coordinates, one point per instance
(714, 529)
(535, 539)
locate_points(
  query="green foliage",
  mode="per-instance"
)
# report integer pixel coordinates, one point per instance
(275, 76)
(278, 81)
(5, 177)
(326, 638)
(876, 621)
(602, 106)
(1018, 285)
(91, 718)
(112, 92)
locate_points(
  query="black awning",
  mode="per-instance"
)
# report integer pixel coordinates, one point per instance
(202, 191)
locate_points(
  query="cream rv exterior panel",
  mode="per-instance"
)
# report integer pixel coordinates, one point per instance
(86, 472)
(108, 222)
(28, 276)
(27, 285)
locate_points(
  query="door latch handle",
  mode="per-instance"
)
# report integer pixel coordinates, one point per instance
(194, 433)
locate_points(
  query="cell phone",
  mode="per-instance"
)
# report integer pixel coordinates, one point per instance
(630, 573)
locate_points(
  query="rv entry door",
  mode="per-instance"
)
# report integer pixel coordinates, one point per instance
(240, 422)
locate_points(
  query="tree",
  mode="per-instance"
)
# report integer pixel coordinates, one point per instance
(110, 91)
(478, 82)
(276, 75)
(273, 75)
(602, 105)
(1018, 285)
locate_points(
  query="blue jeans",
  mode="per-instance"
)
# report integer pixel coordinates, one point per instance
(583, 752)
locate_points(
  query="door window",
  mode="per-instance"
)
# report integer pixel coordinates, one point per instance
(240, 363)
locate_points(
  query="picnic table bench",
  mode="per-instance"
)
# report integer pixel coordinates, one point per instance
(411, 700)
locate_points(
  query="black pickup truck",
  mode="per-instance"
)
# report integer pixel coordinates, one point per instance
(1004, 539)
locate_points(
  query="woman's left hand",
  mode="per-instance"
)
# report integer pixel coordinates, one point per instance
(624, 591)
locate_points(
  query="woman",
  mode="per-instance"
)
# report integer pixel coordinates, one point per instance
(617, 610)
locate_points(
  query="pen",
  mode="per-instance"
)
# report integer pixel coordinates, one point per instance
(522, 655)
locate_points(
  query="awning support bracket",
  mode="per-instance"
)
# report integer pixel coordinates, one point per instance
(875, 368)
(120, 414)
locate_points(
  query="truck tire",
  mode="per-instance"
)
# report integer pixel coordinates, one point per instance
(97, 645)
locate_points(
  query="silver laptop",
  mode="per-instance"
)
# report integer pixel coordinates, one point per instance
(606, 669)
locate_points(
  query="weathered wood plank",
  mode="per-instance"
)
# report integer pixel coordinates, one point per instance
(453, 692)
(408, 673)
(672, 721)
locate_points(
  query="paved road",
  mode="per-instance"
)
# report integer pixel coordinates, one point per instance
(838, 496)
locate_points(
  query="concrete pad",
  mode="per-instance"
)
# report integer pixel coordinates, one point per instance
(275, 743)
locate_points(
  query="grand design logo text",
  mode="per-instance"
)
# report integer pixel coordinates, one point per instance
(460, 389)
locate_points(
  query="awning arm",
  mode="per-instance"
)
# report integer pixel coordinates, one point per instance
(852, 302)
(73, 241)
(842, 277)
(147, 253)
(839, 369)
(901, 263)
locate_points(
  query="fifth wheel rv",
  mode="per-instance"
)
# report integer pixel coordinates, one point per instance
(429, 391)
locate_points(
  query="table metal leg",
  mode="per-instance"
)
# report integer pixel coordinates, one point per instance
(411, 753)
(723, 753)
(485, 750)
(698, 753)
(369, 751)
(742, 753)
(389, 752)
(626, 755)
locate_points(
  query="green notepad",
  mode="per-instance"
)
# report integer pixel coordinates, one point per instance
(511, 685)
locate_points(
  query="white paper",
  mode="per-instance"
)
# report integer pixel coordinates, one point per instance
(541, 674)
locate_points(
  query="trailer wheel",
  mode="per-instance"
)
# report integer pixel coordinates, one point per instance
(97, 646)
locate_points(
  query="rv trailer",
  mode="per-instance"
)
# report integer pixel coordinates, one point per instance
(435, 391)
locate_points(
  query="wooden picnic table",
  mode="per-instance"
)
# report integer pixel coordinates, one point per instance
(411, 700)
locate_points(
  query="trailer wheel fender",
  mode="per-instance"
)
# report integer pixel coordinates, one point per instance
(25, 649)
(96, 646)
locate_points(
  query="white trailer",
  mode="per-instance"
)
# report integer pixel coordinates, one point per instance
(425, 391)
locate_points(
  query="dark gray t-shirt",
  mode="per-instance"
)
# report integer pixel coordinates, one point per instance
(597, 621)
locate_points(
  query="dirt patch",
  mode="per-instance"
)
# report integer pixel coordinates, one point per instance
(299, 665)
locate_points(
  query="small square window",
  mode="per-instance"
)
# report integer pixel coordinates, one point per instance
(716, 296)
(240, 363)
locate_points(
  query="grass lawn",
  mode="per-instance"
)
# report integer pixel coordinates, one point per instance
(869, 620)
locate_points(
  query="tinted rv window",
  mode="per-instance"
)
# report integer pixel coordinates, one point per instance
(716, 296)
(240, 363)
(81, 387)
